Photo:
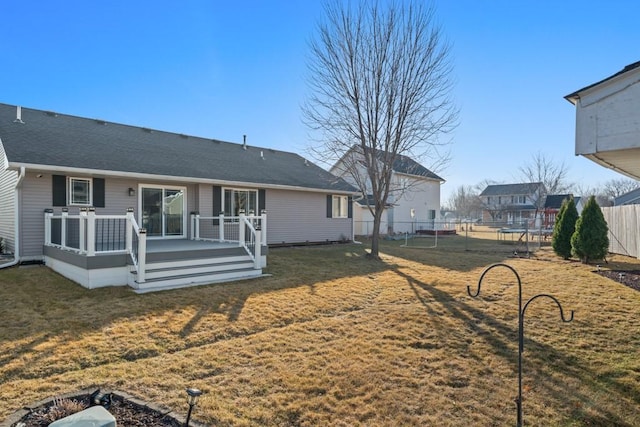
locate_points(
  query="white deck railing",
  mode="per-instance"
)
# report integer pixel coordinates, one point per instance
(90, 234)
(249, 231)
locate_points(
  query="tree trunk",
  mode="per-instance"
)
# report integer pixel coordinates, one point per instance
(375, 237)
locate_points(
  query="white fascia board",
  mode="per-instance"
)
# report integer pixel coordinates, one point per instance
(169, 178)
(608, 88)
(426, 178)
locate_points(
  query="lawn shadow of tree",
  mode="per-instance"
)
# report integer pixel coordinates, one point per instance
(540, 360)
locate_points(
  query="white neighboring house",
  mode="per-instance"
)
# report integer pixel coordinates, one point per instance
(413, 203)
(608, 121)
(608, 133)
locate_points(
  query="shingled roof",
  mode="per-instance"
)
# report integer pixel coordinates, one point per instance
(53, 141)
(511, 189)
(402, 164)
(406, 165)
(554, 201)
(572, 97)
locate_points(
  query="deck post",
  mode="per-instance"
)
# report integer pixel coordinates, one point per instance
(82, 229)
(241, 228)
(129, 231)
(257, 260)
(48, 213)
(142, 253)
(196, 226)
(263, 224)
(221, 226)
(91, 231)
(63, 227)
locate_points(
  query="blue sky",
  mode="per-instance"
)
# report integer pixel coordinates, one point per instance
(224, 69)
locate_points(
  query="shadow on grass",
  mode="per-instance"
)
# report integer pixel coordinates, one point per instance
(38, 301)
(454, 252)
(541, 361)
(39, 306)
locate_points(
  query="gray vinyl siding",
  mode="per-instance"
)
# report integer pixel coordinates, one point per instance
(36, 197)
(298, 217)
(292, 216)
(205, 200)
(8, 180)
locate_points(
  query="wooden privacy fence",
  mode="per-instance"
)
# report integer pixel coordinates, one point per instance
(624, 229)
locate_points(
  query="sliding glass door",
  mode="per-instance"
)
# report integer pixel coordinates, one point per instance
(163, 211)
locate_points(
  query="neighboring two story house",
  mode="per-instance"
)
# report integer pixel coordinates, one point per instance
(413, 203)
(511, 203)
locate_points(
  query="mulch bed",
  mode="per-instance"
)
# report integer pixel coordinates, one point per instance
(629, 278)
(127, 410)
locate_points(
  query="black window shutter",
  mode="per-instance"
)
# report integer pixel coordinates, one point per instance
(217, 200)
(59, 190)
(261, 201)
(350, 207)
(98, 192)
(329, 205)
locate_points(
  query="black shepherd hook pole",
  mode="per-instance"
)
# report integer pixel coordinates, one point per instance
(521, 311)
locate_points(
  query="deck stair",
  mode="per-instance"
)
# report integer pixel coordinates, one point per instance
(176, 269)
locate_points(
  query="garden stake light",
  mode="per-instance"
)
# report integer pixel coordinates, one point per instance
(193, 394)
(521, 311)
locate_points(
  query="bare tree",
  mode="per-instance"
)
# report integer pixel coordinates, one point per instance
(542, 169)
(552, 175)
(465, 201)
(617, 187)
(380, 83)
(586, 191)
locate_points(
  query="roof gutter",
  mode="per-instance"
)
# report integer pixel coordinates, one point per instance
(182, 179)
(16, 221)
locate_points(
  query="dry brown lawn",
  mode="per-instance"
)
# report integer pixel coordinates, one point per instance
(333, 338)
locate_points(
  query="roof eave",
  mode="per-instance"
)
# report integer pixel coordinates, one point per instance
(171, 178)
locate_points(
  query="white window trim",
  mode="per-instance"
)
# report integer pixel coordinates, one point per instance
(343, 202)
(70, 200)
(254, 190)
(185, 207)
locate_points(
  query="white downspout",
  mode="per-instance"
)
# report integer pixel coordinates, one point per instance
(16, 212)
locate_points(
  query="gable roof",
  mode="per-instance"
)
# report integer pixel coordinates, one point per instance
(525, 188)
(630, 198)
(406, 165)
(572, 97)
(554, 201)
(52, 141)
(402, 164)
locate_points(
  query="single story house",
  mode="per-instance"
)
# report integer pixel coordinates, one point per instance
(414, 199)
(552, 205)
(111, 204)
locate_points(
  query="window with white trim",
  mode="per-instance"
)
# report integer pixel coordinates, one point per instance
(236, 200)
(80, 191)
(340, 207)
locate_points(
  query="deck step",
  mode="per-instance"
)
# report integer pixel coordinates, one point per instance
(192, 262)
(172, 274)
(164, 272)
(187, 280)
